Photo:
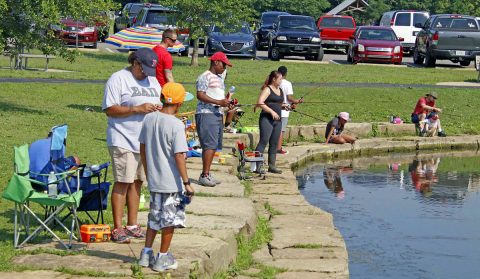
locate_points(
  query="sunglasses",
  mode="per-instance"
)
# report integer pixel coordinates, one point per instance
(171, 39)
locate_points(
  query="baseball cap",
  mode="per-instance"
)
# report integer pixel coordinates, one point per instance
(344, 115)
(148, 58)
(220, 56)
(433, 94)
(174, 93)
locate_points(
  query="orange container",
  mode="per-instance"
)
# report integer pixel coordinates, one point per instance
(95, 233)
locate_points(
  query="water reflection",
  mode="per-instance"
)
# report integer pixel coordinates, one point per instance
(412, 216)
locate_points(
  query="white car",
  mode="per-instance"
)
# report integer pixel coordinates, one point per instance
(403, 23)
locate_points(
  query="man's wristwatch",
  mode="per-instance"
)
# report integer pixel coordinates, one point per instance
(186, 183)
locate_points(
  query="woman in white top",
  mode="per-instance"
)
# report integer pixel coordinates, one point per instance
(129, 94)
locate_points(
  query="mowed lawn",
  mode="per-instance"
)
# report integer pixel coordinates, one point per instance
(28, 110)
(99, 66)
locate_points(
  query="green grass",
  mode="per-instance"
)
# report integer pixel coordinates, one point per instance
(246, 247)
(100, 65)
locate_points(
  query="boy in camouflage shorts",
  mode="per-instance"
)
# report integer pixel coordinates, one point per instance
(162, 148)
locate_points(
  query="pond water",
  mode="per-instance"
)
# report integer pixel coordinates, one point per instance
(405, 216)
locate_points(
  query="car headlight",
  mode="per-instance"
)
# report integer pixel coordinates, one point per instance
(361, 48)
(281, 38)
(88, 29)
(315, 40)
(249, 44)
(396, 49)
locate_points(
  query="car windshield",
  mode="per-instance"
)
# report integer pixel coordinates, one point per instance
(297, 24)
(337, 22)
(380, 35)
(135, 9)
(160, 18)
(456, 23)
(269, 19)
(244, 30)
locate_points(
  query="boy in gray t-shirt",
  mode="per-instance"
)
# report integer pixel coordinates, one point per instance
(163, 146)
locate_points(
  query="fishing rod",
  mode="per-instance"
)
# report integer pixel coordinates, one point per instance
(311, 116)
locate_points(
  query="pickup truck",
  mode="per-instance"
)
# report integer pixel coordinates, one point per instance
(447, 37)
(336, 31)
(295, 35)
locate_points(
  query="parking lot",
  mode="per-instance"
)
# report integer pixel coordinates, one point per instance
(331, 56)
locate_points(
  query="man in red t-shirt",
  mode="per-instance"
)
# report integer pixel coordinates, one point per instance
(165, 61)
(424, 107)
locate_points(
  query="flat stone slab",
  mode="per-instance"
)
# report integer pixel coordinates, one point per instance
(275, 189)
(310, 275)
(328, 266)
(230, 186)
(299, 230)
(310, 253)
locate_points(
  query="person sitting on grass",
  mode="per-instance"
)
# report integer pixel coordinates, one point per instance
(162, 149)
(424, 107)
(333, 132)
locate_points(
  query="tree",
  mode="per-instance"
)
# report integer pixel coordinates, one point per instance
(28, 24)
(314, 8)
(196, 15)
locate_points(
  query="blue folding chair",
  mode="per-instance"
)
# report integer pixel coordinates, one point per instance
(48, 155)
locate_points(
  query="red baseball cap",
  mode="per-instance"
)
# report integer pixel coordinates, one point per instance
(220, 56)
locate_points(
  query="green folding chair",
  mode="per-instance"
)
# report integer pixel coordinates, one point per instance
(20, 191)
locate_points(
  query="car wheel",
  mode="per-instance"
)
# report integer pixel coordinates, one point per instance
(320, 54)
(429, 60)
(417, 58)
(465, 63)
(94, 46)
(275, 54)
(269, 52)
(349, 57)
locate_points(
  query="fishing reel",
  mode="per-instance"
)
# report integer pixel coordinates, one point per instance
(290, 107)
(234, 102)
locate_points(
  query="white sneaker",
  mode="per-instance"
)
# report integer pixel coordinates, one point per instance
(215, 179)
(165, 262)
(146, 258)
(206, 181)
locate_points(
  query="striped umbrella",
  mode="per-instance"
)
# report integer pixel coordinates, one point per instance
(138, 37)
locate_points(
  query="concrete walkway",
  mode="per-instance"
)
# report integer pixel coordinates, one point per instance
(305, 242)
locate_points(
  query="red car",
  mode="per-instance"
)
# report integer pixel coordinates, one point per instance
(72, 30)
(375, 43)
(335, 31)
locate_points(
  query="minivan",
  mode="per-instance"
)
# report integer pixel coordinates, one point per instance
(403, 23)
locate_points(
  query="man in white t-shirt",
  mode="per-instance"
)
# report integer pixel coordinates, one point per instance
(287, 89)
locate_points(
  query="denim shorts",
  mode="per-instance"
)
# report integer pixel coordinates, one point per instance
(210, 130)
(166, 210)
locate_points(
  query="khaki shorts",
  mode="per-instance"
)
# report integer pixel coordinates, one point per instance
(127, 165)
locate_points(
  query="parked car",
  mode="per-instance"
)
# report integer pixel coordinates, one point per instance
(447, 37)
(76, 32)
(162, 18)
(125, 17)
(403, 23)
(375, 43)
(240, 42)
(335, 31)
(295, 35)
(266, 26)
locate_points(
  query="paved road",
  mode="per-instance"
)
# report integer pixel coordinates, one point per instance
(331, 56)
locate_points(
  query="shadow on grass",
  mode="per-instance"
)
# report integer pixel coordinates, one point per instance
(86, 108)
(472, 80)
(9, 107)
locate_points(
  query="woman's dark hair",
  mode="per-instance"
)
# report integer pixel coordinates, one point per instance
(132, 58)
(271, 76)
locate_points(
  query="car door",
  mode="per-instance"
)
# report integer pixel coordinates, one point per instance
(402, 25)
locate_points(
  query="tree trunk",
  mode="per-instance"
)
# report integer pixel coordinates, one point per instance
(195, 53)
